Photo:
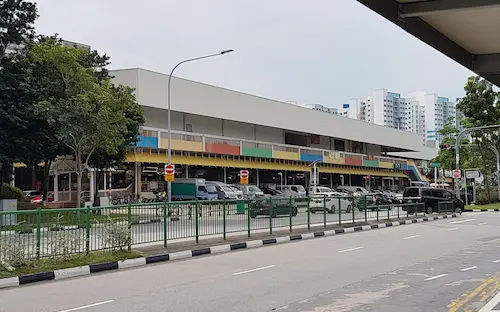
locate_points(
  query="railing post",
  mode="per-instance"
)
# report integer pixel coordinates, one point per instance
(377, 211)
(353, 215)
(399, 207)
(87, 238)
(249, 208)
(196, 209)
(224, 219)
(308, 213)
(129, 223)
(366, 213)
(408, 210)
(388, 212)
(38, 236)
(340, 214)
(271, 219)
(165, 220)
(324, 211)
(290, 210)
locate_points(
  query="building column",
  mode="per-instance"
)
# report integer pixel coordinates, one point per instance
(286, 180)
(350, 180)
(187, 171)
(331, 180)
(13, 177)
(257, 177)
(136, 176)
(56, 186)
(225, 175)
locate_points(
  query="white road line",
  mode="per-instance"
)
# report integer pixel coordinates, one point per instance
(480, 213)
(490, 305)
(88, 306)
(413, 236)
(351, 249)
(452, 229)
(468, 269)
(496, 261)
(256, 269)
(462, 221)
(435, 277)
(482, 223)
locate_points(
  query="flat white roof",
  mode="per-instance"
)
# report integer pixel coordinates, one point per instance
(207, 100)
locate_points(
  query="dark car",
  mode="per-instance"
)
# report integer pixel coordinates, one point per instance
(433, 200)
(270, 191)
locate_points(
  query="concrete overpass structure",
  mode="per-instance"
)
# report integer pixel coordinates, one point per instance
(468, 31)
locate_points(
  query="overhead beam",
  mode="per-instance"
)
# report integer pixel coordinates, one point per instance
(417, 9)
(486, 64)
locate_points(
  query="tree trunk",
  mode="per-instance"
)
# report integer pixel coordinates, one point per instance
(45, 180)
(97, 179)
(78, 167)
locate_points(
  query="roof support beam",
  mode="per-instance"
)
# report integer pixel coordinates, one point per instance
(486, 64)
(417, 9)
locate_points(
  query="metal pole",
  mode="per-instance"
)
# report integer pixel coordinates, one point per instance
(435, 175)
(169, 121)
(495, 150)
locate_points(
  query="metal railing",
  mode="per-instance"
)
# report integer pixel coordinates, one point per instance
(52, 232)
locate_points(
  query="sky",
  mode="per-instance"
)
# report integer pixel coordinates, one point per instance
(303, 52)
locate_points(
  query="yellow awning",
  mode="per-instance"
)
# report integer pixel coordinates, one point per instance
(161, 158)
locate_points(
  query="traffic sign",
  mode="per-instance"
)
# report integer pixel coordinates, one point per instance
(435, 165)
(472, 174)
(244, 176)
(457, 174)
(169, 172)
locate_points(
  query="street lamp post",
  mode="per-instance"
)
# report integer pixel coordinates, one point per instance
(281, 180)
(169, 123)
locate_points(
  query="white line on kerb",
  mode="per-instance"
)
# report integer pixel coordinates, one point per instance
(462, 221)
(351, 249)
(256, 269)
(435, 277)
(496, 261)
(413, 236)
(468, 269)
(88, 306)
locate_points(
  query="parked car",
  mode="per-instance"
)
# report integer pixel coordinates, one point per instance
(272, 207)
(250, 191)
(432, 199)
(223, 190)
(320, 194)
(270, 191)
(236, 190)
(292, 190)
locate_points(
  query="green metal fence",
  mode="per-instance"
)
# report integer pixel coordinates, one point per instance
(53, 232)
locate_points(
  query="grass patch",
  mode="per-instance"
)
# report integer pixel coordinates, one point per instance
(49, 264)
(489, 206)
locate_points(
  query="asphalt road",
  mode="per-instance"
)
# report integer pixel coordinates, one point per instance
(433, 266)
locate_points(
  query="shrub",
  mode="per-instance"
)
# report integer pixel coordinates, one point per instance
(14, 249)
(9, 192)
(116, 234)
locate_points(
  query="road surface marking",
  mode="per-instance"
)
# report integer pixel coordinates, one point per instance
(351, 249)
(256, 269)
(468, 269)
(452, 229)
(456, 305)
(480, 213)
(435, 277)
(413, 236)
(496, 261)
(492, 304)
(88, 306)
(482, 223)
(462, 221)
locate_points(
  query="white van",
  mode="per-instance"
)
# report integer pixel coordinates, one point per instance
(250, 191)
(223, 190)
(292, 190)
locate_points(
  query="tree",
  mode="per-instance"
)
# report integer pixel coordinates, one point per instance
(16, 23)
(90, 114)
(481, 107)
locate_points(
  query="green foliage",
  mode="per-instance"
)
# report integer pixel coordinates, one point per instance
(16, 23)
(9, 192)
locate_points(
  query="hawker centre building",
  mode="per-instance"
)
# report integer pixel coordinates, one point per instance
(216, 132)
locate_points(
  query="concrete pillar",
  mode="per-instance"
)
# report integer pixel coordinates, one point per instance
(56, 186)
(350, 181)
(136, 177)
(225, 175)
(331, 180)
(187, 171)
(13, 177)
(258, 177)
(286, 180)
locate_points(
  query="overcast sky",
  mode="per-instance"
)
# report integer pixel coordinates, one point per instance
(320, 51)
